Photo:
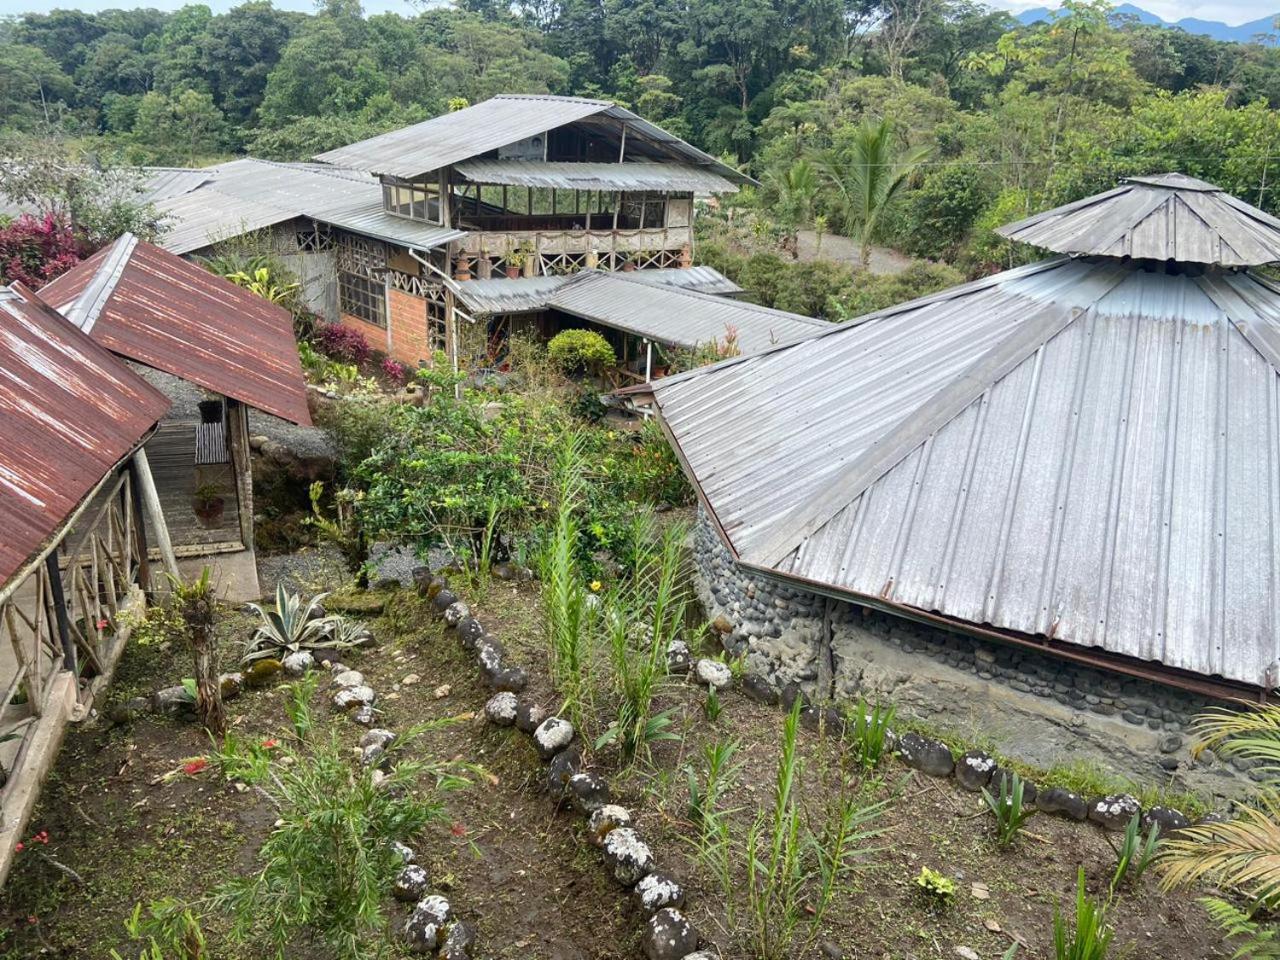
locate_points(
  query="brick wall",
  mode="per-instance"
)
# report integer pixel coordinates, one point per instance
(406, 336)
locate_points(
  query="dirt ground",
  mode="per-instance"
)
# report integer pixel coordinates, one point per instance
(511, 864)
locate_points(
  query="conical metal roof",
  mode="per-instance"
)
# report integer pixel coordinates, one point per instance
(1163, 217)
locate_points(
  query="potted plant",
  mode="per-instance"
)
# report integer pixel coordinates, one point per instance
(208, 504)
(628, 262)
(516, 260)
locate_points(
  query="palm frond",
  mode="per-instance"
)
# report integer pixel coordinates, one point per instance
(1242, 854)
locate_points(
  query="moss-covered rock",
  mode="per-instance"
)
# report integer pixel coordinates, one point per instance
(358, 603)
(263, 672)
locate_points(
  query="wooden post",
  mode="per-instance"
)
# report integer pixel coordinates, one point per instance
(59, 605)
(648, 359)
(151, 502)
(139, 528)
(242, 464)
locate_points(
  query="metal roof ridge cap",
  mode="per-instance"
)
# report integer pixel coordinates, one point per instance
(1222, 295)
(84, 311)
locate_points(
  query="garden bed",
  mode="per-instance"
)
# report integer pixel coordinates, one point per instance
(123, 816)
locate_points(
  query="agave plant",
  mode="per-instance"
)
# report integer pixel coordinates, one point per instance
(289, 627)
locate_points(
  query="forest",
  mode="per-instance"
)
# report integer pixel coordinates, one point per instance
(959, 117)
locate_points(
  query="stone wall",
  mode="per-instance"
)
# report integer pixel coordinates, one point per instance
(1037, 708)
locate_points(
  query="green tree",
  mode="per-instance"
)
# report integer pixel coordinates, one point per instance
(867, 177)
(184, 127)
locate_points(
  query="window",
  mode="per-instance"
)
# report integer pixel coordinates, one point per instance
(414, 199)
(362, 297)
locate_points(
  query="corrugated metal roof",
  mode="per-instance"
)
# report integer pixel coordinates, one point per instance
(1167, 217)
(69, 411)
(248, 194)
(667, 177)
(419, 149)
(164, 183)
(678, 317)
(530, 294)
(152, 306)
(1078, 450)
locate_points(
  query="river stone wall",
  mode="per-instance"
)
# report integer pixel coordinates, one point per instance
(1036, 708)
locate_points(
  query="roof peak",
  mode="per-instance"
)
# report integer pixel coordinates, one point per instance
(1161, 217)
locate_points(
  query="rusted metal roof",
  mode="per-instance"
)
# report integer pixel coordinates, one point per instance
(424, 147)
(657, 177)
(678, 317)
(531, 294)
(69, 412)
(1166, 217)
(151, 306)
(1080, 450)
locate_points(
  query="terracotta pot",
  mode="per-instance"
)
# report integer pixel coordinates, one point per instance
(209, 514)
(628, 267)
(513, 273)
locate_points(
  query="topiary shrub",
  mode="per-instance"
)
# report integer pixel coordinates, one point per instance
(576, 350)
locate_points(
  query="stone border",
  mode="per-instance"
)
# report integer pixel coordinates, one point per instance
(668, 934)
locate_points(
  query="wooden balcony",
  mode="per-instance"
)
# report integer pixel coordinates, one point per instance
(541, 252)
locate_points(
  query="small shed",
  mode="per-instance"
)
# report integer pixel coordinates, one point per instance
(215, 350)
(73, 480)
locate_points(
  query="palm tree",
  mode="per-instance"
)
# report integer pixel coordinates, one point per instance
(795, 189)
(1242, 855)
(867, 175)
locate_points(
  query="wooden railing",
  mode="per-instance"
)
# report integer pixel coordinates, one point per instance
(65, 614)
(500, 244)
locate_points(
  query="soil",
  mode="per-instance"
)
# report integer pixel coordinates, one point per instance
(132, 827)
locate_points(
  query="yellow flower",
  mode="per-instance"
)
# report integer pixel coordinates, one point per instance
(595, 586)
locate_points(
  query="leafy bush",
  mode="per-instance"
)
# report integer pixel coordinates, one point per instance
(395, 371)
(936, 886)
(879, 291)
(341, 342)
(34, 251)
(577, 350)
(940, 214)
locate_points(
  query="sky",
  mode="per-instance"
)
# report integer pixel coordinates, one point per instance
(1233, 12)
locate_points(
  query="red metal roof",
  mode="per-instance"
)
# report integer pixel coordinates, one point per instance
(153, 307)
(69, 411)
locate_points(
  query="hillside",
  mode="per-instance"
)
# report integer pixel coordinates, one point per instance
(1216, 29)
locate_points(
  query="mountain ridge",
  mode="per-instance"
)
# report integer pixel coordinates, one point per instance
(1216, 29)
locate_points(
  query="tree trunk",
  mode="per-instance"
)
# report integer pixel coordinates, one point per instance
(208, 690)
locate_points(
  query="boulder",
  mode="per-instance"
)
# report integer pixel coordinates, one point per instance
(230, 685)
(365, 716)
(669, 936)
(421, 577)
(411, 883)
(587, 792)
(173, 701)
(529, 716)
(404, 852)
(263, 671)
(932, 757)
(129, 710)
(712, 673)
(458, 942)
(469, 632)
(456, 612)
(1062, 803)
(298, 663)
(489, 656)
(501, 709)
(443, 599)
(562, 768)
(974, 770)
(352, 698)
(348, 678)
(434, 586)
(1114, 811)
(627, 856)
(552, 736)
(605, 820)
(1168, 819)
(656, 891)
(512, 679)
(423, 929)
(757, 688)
(678, 657)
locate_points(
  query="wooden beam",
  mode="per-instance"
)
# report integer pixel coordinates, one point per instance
(151, 503)
(242, 464)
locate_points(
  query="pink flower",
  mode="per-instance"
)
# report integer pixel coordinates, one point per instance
(194, 766)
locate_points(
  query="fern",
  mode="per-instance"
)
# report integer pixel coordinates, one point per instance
(1256, 941)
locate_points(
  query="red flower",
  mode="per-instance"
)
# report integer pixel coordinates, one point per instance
(194, 766)
(19, 847)
(458, 829)
(270, 743)
(104, 623)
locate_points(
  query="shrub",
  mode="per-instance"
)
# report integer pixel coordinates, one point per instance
(940, 214)
(395, 371)
(577, 350)
(341, 342)
(35, 250)
(293, 626)
(878, 291)
(936, 886)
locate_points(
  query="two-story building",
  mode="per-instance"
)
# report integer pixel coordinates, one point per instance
(449, 235)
